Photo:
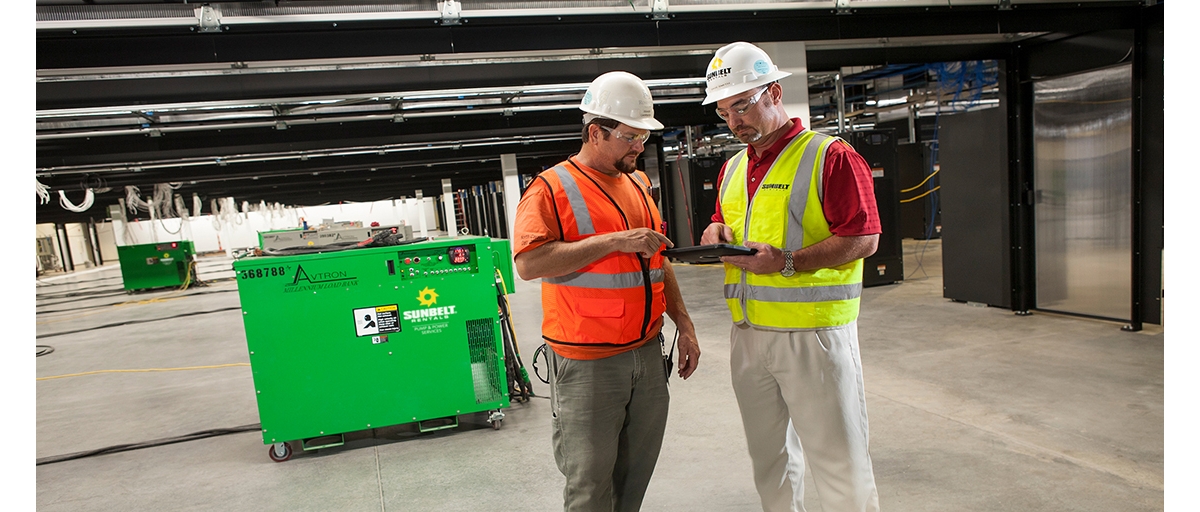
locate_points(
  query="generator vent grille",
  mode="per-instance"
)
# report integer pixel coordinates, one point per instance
(481, 342)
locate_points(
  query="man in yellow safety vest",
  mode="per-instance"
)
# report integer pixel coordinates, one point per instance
(806, 202)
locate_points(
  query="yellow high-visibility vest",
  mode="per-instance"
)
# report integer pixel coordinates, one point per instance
(786, 212)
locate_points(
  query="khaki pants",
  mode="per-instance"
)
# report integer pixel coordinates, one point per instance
(801, 395)
(609, 416)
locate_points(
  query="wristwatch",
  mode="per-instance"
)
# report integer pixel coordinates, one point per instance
(788, 270)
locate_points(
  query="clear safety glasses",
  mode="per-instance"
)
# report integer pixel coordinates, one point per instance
(742, 106)
(629, 139)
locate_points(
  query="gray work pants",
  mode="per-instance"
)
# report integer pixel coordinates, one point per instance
(609, 416)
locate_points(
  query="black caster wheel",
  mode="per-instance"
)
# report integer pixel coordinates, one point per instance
(496, 418)
(279, 452)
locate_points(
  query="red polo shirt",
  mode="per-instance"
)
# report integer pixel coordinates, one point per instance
(849, 202)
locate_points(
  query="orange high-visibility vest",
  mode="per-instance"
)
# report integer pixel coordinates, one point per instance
(616, 299)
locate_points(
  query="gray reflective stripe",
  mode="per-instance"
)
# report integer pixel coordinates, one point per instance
(730, 165)
(639, 179)
(804, 294)
(610, 281)
(794, 237)
(583, 218)
(821, 177)
(730, 170)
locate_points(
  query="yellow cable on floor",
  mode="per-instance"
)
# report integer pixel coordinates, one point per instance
(145, 370)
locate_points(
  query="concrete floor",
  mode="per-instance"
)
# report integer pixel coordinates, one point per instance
(971, 409)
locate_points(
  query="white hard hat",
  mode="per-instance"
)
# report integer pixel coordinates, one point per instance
(737, 68)
(622, 97)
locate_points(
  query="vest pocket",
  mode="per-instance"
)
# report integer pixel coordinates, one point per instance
(601, 308)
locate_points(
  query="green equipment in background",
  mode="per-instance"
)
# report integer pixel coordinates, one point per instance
(355, 339)
(157, 265)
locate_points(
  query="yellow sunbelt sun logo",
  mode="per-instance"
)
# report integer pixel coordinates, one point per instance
(717, 72)
(428, 298)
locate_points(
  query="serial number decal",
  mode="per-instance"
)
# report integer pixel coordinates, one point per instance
(258, 273)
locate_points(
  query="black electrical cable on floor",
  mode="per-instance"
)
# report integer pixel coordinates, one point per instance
(111, 304)
(131, 322)
(44, 349)
(78, 295)
(77, 281)
(101, 288)
(149, 444)
(87, 294)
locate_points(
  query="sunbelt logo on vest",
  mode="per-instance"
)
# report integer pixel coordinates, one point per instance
(428, 298)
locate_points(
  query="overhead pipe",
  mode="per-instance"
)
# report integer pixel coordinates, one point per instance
(303, 155)
(524, 90)
(363, 63)
(155, 130)
(198, 69)
(85, 15)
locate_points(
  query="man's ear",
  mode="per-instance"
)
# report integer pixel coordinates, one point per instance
(776, 92)
(595, 133)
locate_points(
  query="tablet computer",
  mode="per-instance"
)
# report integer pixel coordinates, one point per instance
(707, 253)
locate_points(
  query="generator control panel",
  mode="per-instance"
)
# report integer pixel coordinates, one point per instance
(436, 261)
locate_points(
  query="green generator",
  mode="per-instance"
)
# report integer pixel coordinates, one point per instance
(364, 338)
(157, 265)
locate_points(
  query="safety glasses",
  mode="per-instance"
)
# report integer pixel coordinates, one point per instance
(742, 106)
(629, 139)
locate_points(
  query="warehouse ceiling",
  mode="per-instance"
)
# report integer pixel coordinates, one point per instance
(309, 102)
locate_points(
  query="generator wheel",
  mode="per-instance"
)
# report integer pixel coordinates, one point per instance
(279, 452)
(496, 424)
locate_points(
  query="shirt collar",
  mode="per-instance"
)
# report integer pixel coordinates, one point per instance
(778, 146)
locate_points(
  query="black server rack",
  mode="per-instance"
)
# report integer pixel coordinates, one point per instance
(690, 197)
(704, 171)
(976, 254)
(479, 210)
(878, 148)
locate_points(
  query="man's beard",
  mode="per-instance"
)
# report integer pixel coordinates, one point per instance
(748, 139)
(624, 167)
